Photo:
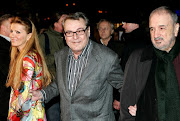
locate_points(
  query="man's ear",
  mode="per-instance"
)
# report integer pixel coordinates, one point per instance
(89, 32)
(112, 31)
(176, 29)
(55, 24)
(3, 27)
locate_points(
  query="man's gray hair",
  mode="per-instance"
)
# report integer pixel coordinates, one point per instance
(104, 20)
(165, 9)
(77, 16)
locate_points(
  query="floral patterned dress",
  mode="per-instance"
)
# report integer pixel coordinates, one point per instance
(31, 79)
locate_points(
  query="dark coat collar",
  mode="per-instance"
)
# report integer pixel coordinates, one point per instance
(147, 53)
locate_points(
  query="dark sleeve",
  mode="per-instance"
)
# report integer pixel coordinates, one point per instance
(128, 93)
(4, 66)
(116, 94)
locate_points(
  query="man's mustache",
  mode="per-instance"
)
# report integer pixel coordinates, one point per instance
(158, 38)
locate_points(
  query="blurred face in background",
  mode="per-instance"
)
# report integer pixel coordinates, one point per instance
(80, 34)
(6, 27)
(105, 30)
(163, 31)
(129, 27)
(58, 25)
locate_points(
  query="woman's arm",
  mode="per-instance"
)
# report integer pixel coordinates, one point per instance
(31, 79)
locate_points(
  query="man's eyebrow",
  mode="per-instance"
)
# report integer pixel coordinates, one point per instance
(151, 27)
(80, 28)
(163, 25)
(158, 26)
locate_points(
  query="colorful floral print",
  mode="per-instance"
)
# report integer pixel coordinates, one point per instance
(31, 79)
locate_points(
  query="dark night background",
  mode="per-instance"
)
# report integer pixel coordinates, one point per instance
(112, 9)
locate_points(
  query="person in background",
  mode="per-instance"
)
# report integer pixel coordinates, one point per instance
(27, 71)
(86, 74)
(151, 90)
(134, 35)
(52, 41)
(106, 30)
(4, 66)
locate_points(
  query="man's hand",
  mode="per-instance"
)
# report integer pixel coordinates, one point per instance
(116, 105)
(132, 110)
(36, 95)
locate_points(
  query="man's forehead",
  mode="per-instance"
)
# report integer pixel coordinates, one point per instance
(160, 15)
(160, 19)
(74, 24)
(80, 20)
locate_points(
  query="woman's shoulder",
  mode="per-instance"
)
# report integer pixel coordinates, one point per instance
(32, 56)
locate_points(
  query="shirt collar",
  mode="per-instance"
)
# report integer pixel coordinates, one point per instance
(7, 38)
(84, 52)
(102, 41)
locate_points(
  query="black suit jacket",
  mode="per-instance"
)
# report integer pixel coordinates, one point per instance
(138, 73)
(4, 68)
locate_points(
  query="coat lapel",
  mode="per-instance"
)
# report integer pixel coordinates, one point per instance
(64, 69)
(92, 64)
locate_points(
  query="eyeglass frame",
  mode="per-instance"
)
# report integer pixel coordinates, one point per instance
(83, 30)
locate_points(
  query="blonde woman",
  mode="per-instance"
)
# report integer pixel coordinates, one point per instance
(28, 70)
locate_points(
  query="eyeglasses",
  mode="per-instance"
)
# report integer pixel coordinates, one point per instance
(78, 32)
